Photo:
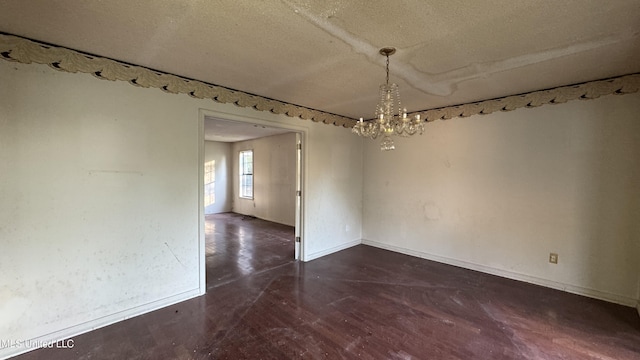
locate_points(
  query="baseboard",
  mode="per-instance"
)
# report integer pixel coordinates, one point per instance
(70, 332)
(592, 293)
(265, 219)
(331, 250)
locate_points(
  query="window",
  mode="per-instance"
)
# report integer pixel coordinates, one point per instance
(246, 174)
(209, 182)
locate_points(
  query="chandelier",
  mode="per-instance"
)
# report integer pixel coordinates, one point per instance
(391, 117)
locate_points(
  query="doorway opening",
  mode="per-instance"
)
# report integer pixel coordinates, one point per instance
(251, 197)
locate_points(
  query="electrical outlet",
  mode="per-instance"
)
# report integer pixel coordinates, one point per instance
(553, 258)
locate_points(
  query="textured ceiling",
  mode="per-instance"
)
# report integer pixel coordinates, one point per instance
(324, 54)
(232, 131)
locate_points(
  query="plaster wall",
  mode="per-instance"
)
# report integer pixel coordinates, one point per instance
(100, 212)
(499, 192)
(221, 153)
(274, 179)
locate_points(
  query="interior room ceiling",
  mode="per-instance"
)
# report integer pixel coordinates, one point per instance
(323, 54)
(223, 130)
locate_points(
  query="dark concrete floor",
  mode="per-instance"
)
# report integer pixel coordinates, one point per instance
(362, 302)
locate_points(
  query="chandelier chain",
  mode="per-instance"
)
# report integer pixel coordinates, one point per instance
(387, 69)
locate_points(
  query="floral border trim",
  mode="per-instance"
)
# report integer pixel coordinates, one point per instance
(15, 48)
(626, 84)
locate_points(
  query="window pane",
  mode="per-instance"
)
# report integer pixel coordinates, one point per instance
(209, 182)
(246, 173)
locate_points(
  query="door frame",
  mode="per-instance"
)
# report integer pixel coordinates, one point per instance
(301, 177)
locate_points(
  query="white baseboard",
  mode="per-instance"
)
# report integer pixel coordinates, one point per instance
(70, 332)
(597, 294)
(265, 218)
(331, 250)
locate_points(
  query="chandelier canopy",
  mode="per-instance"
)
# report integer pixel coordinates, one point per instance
(391, 118)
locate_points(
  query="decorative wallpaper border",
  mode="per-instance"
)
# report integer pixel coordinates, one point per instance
(626, 84)
(15, 48)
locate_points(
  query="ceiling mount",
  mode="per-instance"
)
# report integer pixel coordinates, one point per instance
(387, 51)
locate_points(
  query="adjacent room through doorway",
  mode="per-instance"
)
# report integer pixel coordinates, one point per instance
(251, 198)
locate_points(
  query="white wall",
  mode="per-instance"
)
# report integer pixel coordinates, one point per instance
(221, 153)
(99, 218)
(499, 192)
(335, 184)
(274, 179)
(99, 207)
